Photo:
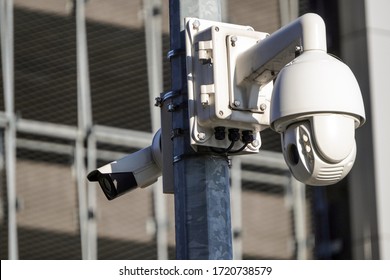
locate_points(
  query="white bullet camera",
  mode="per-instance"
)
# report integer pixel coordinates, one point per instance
(136, 170)
(316, 106)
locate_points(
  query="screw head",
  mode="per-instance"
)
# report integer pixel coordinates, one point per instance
(298, 50)
(233, 40)
(171, 107)
(255, 143)
(236, 103)
(201, 136)
(263, 107)
(196, 24)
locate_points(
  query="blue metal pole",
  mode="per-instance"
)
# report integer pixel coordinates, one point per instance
(201, 181)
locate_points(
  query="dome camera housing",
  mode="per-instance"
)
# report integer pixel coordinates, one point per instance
(316, 105)
(313, 83)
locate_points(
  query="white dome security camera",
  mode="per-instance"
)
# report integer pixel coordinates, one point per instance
(316, 106)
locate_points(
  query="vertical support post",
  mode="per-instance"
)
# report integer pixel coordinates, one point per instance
(289, 10)
(7, 51)
(91, 200)
(153, 37)
(201, 181)
(87, 199)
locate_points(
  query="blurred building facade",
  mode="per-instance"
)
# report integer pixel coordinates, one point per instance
(58, 215)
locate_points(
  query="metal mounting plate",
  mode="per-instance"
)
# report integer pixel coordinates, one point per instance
(214, 99)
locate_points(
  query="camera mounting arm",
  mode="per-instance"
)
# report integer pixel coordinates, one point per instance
(229, 70)
(263, 61)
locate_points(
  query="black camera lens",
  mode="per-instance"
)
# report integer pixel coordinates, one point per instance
(106, 185)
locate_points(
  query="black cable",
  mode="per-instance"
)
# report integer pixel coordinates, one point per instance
(223, 151)
(230, 146)
(234, 136)
(228, 150)
(239, 150)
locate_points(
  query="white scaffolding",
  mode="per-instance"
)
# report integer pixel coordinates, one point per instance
(7, 54)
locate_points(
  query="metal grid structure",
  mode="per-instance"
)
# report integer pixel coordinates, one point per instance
(59, 216)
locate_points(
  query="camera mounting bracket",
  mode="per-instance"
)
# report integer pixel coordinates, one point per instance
(215, 100)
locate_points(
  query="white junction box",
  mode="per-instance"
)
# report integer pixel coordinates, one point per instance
(218, 101)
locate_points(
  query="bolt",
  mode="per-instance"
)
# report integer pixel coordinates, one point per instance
(263, 107)
(171, 107)
(233, 41)
(236, 103)
(255, 143)
(217, 28)
(298, 50)
(221, 113)
(201, 136)
(205, 103)
(196, 24)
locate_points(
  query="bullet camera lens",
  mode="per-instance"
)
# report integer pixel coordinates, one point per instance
(114, 184)
(106, 185)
